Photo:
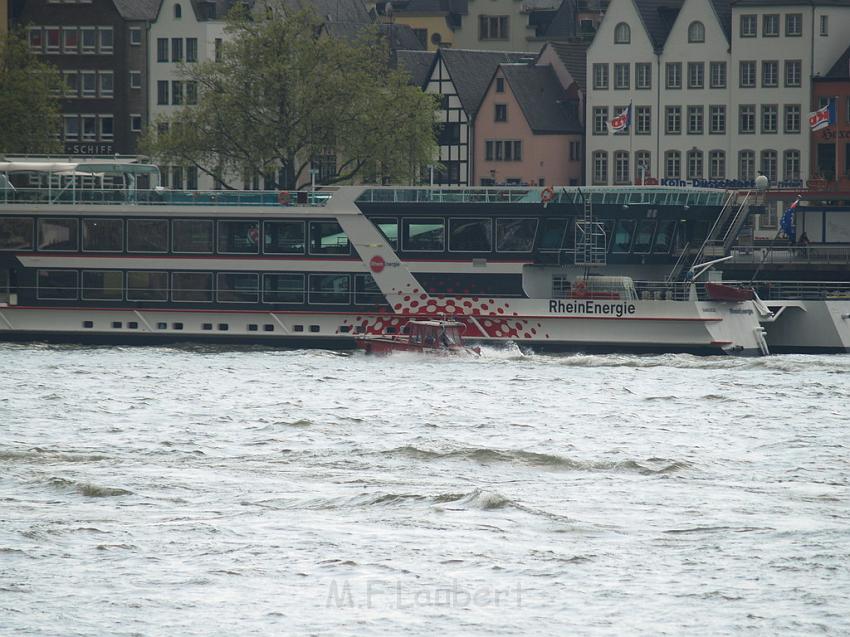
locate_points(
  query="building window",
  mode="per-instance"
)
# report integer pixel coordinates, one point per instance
(642, 165)
(696, 74)
(36, 40)
(747, 165)
(792, 118)
(72, 128)
(748, 74)
(191, 92)
(72, 83)
(162, 49)
(70, 40)
(176, 92)
(770, 74)
(600, 167)
(135, 36)
(643, 120)
(176, 49)
(88, 38)
(135, 123)
(178, 11)
(768, 164)
(769, 118)
(717, 164)
(695, 120)
(622, 34)
(600, 76)
(718, 74)
(107, 83)
(673, 118)
(501, 113)
(793, 25)
(600, 120)
(575, 151)
(162, 92)
(500, 85)
(717, 119)
(673, 164)
(493, 27)
(643, 75)
(770, 25)
(135, 79)
(89, 83)
(793, 72)
(696, 32)
(747, 119)
(501, 150)
(89, 127)
(824, 25)
(106, 39)
(52, 39)
(791, 164)
(695, 164)
(107, 127)
(622, 75)
(749, 26)
(191, 49)
(219, 46)
(621, 167)
(674, 74)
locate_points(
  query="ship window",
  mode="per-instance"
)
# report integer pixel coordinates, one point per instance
(315, 328)
(515, 235)
(238, 237)
(103, 285)
(643, 236)
(162, 326)
(88, 324)
(268, 327)
(147, 235)
(57, 284)
(57, 234)
(16, 234)
(147, 286)
(344, 329)
(366, 291)
(103, 235)
(552, 234)
(424, 235)
(192, 235)
(132, 325)
(252, 327)
(297, 328)
(623, 235)
(470, 235)
(330, 288)
(177, 326)
(664, 237)
(237, 287)
(192, 286)
(389, 228)
(283, 237)
(283, 288)
(327, 237)
(117, 325)
(223, 327)
(207, 327)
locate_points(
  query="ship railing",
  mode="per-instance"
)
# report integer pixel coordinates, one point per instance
(777, 255)
(797, 290)
(161, 197)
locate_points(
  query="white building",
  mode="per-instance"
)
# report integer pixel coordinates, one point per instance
(719, 92)
(184, 32)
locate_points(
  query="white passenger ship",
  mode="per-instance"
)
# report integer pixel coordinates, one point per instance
(589, 270)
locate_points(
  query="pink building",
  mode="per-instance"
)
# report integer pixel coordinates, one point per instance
(528, 130)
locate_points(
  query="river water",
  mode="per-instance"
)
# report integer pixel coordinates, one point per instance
(205, 491)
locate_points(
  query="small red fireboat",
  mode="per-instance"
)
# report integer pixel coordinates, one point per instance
(431, 336)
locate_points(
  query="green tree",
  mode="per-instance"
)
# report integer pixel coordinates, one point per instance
(284, 92)
(29, 110)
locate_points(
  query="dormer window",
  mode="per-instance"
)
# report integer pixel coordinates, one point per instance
(696, 32)
(622, 34)
(178, 11)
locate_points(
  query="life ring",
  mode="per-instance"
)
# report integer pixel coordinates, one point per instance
(580, 290)
(283, 198)
(547, 195)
